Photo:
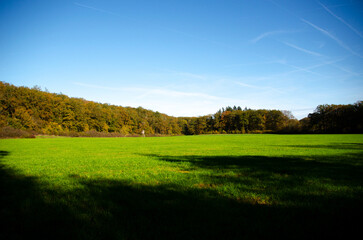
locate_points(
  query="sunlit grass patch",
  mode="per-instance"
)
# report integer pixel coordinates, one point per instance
(188, 187)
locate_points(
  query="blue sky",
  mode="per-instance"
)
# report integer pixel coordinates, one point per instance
(187, 58)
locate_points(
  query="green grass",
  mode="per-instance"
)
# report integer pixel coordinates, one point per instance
(189, 187)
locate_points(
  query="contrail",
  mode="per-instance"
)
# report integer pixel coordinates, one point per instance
(93, 8)
(325, 32)
(302, 49)
(342, 20)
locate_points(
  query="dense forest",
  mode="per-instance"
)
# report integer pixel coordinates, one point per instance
(335, 119)
(30, 111)
(56, 114)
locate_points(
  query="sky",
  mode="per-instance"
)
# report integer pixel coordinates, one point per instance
(187, 58)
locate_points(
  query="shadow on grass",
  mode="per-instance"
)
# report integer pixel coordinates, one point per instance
(347, 146)
(322, 183)
(25, 208)
(347, 167)
(109, 209)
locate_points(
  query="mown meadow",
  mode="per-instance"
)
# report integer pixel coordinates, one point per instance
(185, 187)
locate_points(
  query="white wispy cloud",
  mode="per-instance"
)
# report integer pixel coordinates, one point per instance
(191, 75)
(163, 99)
(93, 8)
(302, 49)
(337, 40)
(255, 63)
(341, 20)
(309, 68)
(97, 86)
(172, 93)
(297, 69)
(247, 85)
(267, 34)
(268, 88)
(306, 69)
(143, 92)
(346, 70)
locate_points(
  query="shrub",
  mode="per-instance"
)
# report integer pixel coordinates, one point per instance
(10, 132)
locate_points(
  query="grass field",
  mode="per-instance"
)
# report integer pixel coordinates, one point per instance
(187, 187)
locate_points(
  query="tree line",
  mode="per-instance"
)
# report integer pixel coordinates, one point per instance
(57, 114)
(237, 121)
(40, 112)
(335, 119)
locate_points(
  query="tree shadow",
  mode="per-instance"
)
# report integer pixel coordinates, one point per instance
(343, 146)
(111, 209)
(327, 183)
(26, 208)
(4, 154)
(340, 168)
(165, 211)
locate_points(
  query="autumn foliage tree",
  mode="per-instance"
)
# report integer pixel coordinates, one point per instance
(50, 113)
(37, 111)
(336, 119)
